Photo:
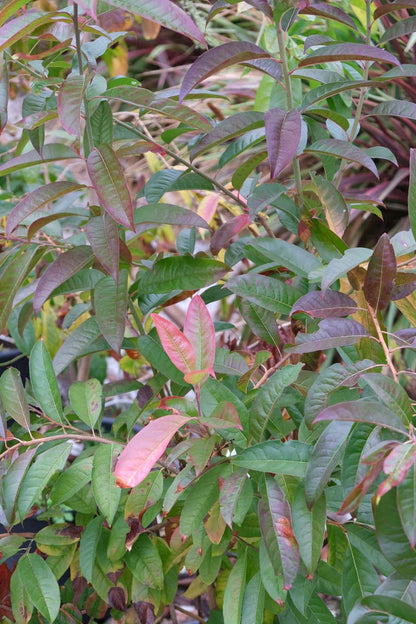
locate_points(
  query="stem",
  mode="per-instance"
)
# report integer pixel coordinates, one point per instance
(383, 342)
(61, 436)
(90, 139)
(289, 101)
(186, 163)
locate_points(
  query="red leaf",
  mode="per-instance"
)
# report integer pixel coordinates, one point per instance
(283, 129)
(147, 446)
(176, 345)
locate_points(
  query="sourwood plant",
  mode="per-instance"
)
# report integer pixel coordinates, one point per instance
(202, 236)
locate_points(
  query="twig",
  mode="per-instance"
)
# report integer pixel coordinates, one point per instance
(382, 342)
(191, 615)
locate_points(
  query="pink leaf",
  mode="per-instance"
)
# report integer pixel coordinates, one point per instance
(176, 345)
(222, 237)
(147, 446)
(199, 330)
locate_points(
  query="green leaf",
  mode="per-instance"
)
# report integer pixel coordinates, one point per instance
(144, 495)
(288, 458)
(330, 89)
(108, 179)
(102, 124)
(44, 383)
(145, 563)
(12, 481)
(382, 606)
(23, 25)
(111, 308)
(39, 474)
(309, 527)
(277, 532)
(340, 266)
(284, 254)
(40, 585)
(151, 348)
(72, 480)
(13, 397)
(391, 394)
(12, 277)
(50, 153)
(325, 456)
(88, 547)
(199, 501)
(63, 268)
(391, 537)
(74, 345)
(86, 399)
(359, 578)
(363, 438)
(333, 203)
(21, 604)
(106, 493)
(253, 601)
(261, 322)
(266, 292)
(342, 149)
(406, 504)
(181, 273)
(234, 591)
(395, 108)
(231, 489)
(267, 399)
(381, 274)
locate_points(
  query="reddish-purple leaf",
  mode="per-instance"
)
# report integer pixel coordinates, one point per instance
(381, 274)
(222, 237)
(176, 345)
(328, 304)
(397, 5)
(228, 129)
(50, 153)
(131, 95)
(412, 191)
(283, 129)
(143, 451)
(103, 236)
(70, 98)
(326, 10)
(230, 491)
(404, 285)
(110, 184)
(395, 108)
(199, 330)
(342, 149)
(216, 59)
(4, 95)
(348, 52)
(38, 199)
(331, 333)
(363, 410)
(271, 67)
(65, 266)
(16, 29)
(163, 12)
(277, 532)
(354, 498)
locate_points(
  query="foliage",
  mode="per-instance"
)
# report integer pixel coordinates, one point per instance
(270, 450)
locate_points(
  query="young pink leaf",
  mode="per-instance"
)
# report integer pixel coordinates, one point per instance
(199, 330)
(147, 446)
(198, 377)
(176, 345)
(283, 129)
